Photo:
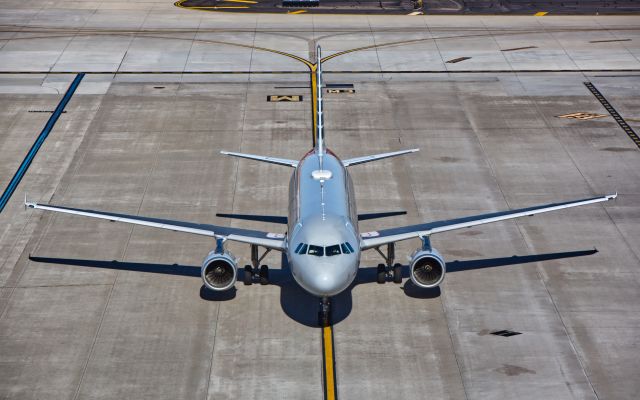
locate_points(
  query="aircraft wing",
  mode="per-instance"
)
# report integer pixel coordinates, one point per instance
(271, 160)
(377, 238)
(366, 159)
(270, 240)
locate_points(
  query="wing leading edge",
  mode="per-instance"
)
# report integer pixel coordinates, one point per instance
(377, 238)
(270, 240)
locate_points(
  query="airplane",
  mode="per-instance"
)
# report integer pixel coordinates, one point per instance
(322, 242)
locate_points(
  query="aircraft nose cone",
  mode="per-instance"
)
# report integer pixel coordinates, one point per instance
(327, 279)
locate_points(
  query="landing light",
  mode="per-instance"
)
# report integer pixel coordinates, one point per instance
(321, 175)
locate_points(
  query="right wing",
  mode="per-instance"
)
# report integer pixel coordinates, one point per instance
(270, 160)
(270, 240)
(385, 236)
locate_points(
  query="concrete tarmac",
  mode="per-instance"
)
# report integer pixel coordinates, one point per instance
(95, 310)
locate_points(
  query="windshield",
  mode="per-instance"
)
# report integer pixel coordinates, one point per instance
(320, 251)
(333, 250)
(316, 250)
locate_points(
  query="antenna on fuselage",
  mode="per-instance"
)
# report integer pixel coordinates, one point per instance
(320, 118)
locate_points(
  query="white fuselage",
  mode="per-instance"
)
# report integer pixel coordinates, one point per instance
(323, 241)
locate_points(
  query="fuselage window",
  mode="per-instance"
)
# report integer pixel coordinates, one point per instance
(350, 248)
(316, 250)
(333, 250)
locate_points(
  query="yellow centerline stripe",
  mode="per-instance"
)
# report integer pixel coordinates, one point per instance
(314, 102)
(541, 14)
(297, 12)
(327, 344)
(217, 7)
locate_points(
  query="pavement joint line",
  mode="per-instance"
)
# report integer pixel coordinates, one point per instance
(616, 116)
(24, 166)
(434, 71)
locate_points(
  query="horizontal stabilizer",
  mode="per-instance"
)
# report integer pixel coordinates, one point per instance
(262, 218)
(364, 217)
(375, 157)
(276, 219)
(270, 160)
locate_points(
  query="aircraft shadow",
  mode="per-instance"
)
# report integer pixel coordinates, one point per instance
(299, 305)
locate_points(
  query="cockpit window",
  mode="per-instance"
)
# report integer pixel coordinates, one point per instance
(301, 249)
(316, 250)
(333, 250)
(345, 249)
(349, 246)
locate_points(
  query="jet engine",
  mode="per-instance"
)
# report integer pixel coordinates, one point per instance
(219, 271)
(427, 268)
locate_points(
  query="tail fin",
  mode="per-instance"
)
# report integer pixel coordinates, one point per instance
(319, 142)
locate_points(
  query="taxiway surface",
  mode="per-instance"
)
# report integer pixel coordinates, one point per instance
(102, 310)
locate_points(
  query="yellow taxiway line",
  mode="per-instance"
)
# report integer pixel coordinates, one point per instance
(328, 364)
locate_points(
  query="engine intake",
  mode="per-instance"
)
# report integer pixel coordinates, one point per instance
(219, 271)
(427, 268)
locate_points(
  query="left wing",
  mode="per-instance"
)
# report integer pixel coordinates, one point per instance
(270, 240)
(377, 238)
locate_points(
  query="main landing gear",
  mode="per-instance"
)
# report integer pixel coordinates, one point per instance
(390, 270)
(324, 315)
(253, 272)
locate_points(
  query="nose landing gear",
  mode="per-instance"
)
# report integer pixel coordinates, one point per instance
(324, 315)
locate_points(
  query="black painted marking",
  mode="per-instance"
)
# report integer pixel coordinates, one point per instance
(285, 98)
(610, 40)
(44, 111)
(24, 166)
(605, 103)
(506, 333)
(457, 60)
(341, 90)
(521, 48)
(339, 85)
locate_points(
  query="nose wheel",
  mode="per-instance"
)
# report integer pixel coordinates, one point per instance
(324, 315)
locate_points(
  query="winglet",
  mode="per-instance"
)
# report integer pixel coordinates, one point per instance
(612, 196)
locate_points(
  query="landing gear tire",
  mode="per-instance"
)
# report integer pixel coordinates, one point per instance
(247, 277)
(264, 275)
(397, 273)
(381, 275)
(324, 315)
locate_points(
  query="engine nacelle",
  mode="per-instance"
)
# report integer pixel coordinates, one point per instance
(427, 268)
(219, 271)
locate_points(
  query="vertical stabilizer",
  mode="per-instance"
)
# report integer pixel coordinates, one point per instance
(320, 125)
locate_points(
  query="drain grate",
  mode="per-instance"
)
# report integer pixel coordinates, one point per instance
(506, 333)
